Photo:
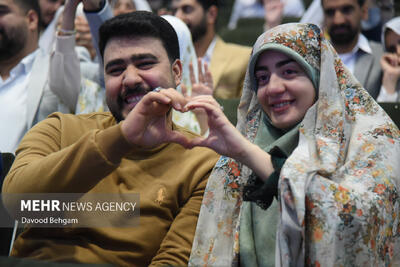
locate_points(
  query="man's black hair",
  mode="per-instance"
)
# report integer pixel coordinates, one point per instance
(140, 24)
(27, 5)
(206, 4)
(360, 3)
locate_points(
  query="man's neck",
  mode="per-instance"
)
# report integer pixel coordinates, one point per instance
(7, 65)
(202, 44)
(346, 48)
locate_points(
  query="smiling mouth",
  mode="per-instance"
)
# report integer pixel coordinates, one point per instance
(282, 104)
(133, 99)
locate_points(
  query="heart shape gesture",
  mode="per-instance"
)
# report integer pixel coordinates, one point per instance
(149, 124)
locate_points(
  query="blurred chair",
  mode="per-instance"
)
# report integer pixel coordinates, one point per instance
(393, 110)
(6, 233)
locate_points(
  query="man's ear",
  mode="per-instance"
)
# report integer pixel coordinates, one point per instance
(33, 20)
(212, 14)
(177, 71)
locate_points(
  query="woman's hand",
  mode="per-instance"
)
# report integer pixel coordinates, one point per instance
(390, 63)
(226, 140)
(223, 137)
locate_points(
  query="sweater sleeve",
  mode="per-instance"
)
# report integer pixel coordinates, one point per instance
(45, 165)
(261, 192)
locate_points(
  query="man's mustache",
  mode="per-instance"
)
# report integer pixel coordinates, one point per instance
(135, 90)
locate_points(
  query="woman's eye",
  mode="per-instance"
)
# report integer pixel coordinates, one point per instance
(290, 71)
(262, 79)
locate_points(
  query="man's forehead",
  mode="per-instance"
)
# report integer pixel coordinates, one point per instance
(138, 45)
(176, 3)
(339, 2)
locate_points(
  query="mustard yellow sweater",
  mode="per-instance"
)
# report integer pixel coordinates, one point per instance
(88, 153)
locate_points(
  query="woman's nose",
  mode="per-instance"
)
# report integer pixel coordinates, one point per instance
(275, 85)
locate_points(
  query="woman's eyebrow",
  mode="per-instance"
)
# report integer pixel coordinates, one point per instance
(284, 62)
(278, 64)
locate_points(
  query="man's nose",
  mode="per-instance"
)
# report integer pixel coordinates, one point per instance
(338, 17)
(131, 77)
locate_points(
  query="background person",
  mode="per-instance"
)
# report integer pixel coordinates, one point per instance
(227, 62)
(390, 62)
(342, 19)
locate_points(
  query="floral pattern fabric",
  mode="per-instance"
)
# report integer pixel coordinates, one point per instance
(338, 190)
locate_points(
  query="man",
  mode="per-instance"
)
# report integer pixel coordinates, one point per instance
(228, 62)
(342, 19)
(48, 9)
(25, 97)
(127, 150)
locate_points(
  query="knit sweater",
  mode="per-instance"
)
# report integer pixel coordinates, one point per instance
(88, 153)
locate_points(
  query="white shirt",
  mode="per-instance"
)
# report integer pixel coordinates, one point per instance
(13, 104)
(349, 59)
(207, 56)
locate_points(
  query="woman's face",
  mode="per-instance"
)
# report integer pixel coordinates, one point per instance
(284, 90)
(392, 42)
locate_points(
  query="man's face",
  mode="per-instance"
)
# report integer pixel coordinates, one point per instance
(48, 9)
(132, 68)
(193, 14)
(343, 20)
(392, 42)
(13, 29)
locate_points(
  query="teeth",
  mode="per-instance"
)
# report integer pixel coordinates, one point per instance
(133, 99)
(281, 104)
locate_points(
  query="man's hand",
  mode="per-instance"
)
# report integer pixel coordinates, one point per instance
(390, 63)
(148, 124)
(68, 17)
(84, 36)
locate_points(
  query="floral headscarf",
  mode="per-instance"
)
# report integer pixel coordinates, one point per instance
(338, 190)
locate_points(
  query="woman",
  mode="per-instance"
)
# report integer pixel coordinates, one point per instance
(390, 62)
(315, 139)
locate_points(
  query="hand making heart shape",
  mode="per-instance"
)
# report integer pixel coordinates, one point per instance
(149, 124)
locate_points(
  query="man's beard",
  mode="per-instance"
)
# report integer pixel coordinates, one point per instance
(117, 110)
(198, 31)
(11, 45)
(345, 37)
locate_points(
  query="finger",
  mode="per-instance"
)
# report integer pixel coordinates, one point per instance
(205, 98)
(200, 70)
(179, 138)
(197, 141)
(192, 75)
(178, 101)
(184, 90)
(211, 109)
(208, 77)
